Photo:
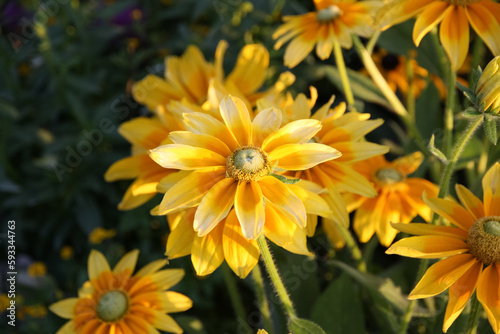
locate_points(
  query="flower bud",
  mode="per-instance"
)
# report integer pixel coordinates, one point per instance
(488, 86)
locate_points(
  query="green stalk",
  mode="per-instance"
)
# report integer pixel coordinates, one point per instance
(235, 297)
(410, 97)
(353, 247)
(339, 59)
(275, 277)
(473, 316)
(372, 42)
(449, 112)
(262, 299)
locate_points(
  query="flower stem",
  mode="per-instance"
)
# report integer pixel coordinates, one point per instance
(473, 316)
(339, 59)
(235, 297)
(262, 299)
(449, 112)
(410, 97)
(275, 277)
(353, 247)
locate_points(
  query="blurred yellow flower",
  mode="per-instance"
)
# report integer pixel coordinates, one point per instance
(4, 302)
(471, 248)
(67, 252)
(488, 86)
(100, 234)
(454, 16)
(399, 198)
(117, 302)
(35, 311)
(37, 269)
(333, 21)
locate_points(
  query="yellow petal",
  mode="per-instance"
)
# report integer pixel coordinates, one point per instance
(302, 156)
(488, 294)
(170, 180)
(429, 247)
(190, 190)
(283, 197)
(207, 253)
(390, 213)
(165, 322)
(68, 328)
(451, 211)
(332, 230)
(251, 68)
(352, 131)
(219, 58)
(131, 201)
(364, 222)
(206, 124)
(337, 206)
(153, 91)
(428, 229)
(395, 12)
(454, 35)
(314, 204)
(413, 196)
(186, 157)
(127, 263)
(181, 237)
(237, 118)
(64, 308)
(200, 140)
(442, 275)
(240, 253)
(408, 164)
(279, 227)
(249, 207)
(460, 293)
(97, 265)
(470, 201)
(265, 122)
(215, 206)
(151, 268)
(145, 132)
(353, 152)
(292, 133)
(491, 191)
(127, 168)
(483, 18)
(429, 18)
(167, 278)
(345, 178)
(297, 50)
(175, 302)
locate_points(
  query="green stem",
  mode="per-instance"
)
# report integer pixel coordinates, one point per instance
(262, 299)
(410, 98)
(275, 277)
(411, 304)
(235, 297)
(442, 57)
(339, 59)
(477, 53)
(372, 42)
(353, 247)
(449, 113)
(473, 316)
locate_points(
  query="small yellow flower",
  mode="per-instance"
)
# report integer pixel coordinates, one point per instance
(333, 20)
(67, 252)
(114, 301)
(488, 86)
(100, 234)
(36, 311)
(471, 248)
(4, 302)
(37, 269)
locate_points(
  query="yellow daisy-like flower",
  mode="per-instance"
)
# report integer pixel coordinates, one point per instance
(116, 302)
(231, 163)
(37, 269)
(334, 20)
(471, 249)
(454, 16)
(100, 234)
(399, 198)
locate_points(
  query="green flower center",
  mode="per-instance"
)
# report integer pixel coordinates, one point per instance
(388, 176)
(248, 163)
(112, 306)
(328, 14)
(484, 239)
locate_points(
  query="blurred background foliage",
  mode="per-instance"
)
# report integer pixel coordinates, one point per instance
(67, 68)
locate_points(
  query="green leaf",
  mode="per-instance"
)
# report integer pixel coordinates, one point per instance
(362, 87)
(467, 92)
(471, 112)
(303, 326)
(436, 152)
(285, 179)
(339, 310)
(490, 127)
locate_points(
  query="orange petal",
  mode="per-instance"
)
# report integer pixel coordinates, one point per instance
(240, 253)
(180, 239)
(297, 50)
(484, 19)
(207, 253)
(345, 178)
(249, 207)
(390, 213)
(408, 164)
(451, 211)
(470, 201)
(237, 119)
(366, 218)
(265, 122)
(97, 265)
(429, 18)
(442, 275)
(413, 196)
(127, 263)
(429, 247)
(251, 68)
(395, 12)
(459, 293)
(491, 191)
(215, 206)
(186, 157)
(428, 229)
(302, 156)
(488, 294)
(454, 35)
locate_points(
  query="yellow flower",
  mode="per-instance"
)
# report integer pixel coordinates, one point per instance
(471, 249)
(488, 86)
(36, 311)
(454, 16)
(67, 252)
(4, 302)
(398, 197)
(333, 20)
(100, 234)
(37, 269)
(117, 302)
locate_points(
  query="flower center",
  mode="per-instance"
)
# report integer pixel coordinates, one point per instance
(328, 14)
(390, 62)
(248, 163)
(461, 2)
(112, 306)
(388, 176)
(484, 239)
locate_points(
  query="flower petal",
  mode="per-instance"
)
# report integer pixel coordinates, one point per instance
(484, 19)
(313, 203)
(428, 229)
(200, 140)
(165, 322)
(175, 302)
(390, 213)
(491, 191)
(198, 122)
(151, 268)
(207, 253)
(345, 178)
(181, 237)
(127, 263)
(186, 157)
(97, 265)
(237, 118)
(395, 12)
(488, 294)
(353, 152)
(249, 207)
(64, 308)
(154, 91)
(215, 206)
(240, 253)
(297, 50)
(429, 247)
(429, 18)
(451, 211)
(265, 122)
(302, 156)
(470, 201)
(251, 68)
(296, 132)
(454, 35)
(409, 163)
(442, 275)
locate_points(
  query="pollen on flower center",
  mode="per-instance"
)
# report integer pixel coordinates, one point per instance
(461, 2)
(484, 239)
(388, 176)
(112, 306)
(248, 163)
(328, 14)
